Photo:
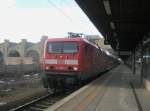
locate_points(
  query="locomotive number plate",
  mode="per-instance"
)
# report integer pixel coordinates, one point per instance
(60, 61)
(60, 68)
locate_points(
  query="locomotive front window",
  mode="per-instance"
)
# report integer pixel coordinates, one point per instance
(62, 47)
(70, 47)
(55, 47)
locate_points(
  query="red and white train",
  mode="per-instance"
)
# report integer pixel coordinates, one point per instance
(71, 60)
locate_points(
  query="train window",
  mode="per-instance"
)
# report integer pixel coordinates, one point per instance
(55, 47)
(62, 47)
(70, 47)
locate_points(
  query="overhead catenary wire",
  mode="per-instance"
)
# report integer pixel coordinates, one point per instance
(64, 14)
(84, 24)
(64, 1)
(60, 10)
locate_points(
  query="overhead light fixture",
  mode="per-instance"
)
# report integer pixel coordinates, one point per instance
(112, 25)
(115, 34)
(107, 7)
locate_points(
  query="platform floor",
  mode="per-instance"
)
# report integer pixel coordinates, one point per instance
(111, 92)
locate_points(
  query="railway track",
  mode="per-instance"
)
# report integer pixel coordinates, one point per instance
(46, 101)
(41, 103)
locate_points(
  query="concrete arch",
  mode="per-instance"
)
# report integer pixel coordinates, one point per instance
(1, 57)
(13, 53)
(34, 54)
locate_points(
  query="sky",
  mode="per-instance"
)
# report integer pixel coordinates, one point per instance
(31, 19)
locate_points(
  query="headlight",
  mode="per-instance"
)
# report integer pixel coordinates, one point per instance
(75, 68)
(47, 68)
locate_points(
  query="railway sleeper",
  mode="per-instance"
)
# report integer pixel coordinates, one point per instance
(39, 106)
(42, 105)
(32, 108)
(45, 103)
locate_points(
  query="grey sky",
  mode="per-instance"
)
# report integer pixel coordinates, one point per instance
(31, 19)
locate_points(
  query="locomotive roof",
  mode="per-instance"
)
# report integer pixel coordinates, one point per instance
(64, 39)
(73, 39)
(78, 39)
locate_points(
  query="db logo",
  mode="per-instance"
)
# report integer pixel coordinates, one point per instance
(60, 61)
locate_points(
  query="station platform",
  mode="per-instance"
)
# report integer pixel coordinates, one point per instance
(117, 90)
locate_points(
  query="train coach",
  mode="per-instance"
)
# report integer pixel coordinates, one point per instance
(72, 60)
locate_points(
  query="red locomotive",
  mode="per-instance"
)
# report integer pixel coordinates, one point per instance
(71, 60)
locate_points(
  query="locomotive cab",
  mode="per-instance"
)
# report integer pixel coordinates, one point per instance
(62, 61)
(62, 57)
(70, 61)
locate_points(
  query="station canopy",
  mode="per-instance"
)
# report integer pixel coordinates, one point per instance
(123, 23)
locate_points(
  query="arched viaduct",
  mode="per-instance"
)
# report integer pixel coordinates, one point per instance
(25, 51)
